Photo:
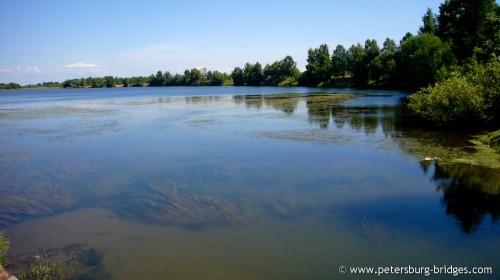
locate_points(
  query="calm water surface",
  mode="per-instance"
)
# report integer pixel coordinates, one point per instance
(236, 183)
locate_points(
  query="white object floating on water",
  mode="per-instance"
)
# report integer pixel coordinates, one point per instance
(432, 158)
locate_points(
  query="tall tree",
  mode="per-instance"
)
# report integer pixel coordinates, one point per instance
(429, 23)
(357, 65)
(253, 74)
(157, 80)
(284, 70)
(238, 77)
(340, 61)
(465, 24)
(256, 76)
(420, 59)
(319, 65)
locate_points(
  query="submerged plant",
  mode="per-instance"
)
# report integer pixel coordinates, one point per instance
(41, 269)
(164, 203)
(73, 262)
(285, 208)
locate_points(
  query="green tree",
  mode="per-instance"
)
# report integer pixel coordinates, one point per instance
(238, 77)
(215, 78)
(109, 81)
(319, 65)
(168, 79)
(491, 46)
(383, 67)
(340, 61)
(253, 74)
(282, 72)
(372, 50)
(429, 23)
(465, 23)
(157, 80)
(420, 59)
(10, 86)
(407, 36)
(357, 65)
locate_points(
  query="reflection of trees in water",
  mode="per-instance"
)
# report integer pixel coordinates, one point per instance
(319, 113)
(202, 99)
(287, 103)
(367, 119)
(469, 193)
(319, 105)
(250, 101)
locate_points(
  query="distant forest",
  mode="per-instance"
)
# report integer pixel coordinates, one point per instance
(454, 52)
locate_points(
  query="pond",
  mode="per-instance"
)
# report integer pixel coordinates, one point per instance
(239, 183)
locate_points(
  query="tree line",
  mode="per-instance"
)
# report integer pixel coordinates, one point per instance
(457, 46)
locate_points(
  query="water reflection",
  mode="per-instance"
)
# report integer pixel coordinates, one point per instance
(319, 105)
(250, 101)
(470, 193)
(202, 99)
(287, 103)
(367, 119)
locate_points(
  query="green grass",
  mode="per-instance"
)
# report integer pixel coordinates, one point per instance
(4, 247)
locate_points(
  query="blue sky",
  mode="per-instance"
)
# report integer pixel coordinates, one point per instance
(53, 40)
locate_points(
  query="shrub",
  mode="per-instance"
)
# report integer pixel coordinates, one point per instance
(468, 98)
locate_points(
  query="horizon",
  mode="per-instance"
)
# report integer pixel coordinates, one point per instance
(58, 40)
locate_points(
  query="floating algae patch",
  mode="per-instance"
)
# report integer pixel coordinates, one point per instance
(312, 135)
(76, 261)
(286, 103)
(320, 106)
(250, 101)
(320, 99)
(456, 149)
(54, 112)
(166, 203)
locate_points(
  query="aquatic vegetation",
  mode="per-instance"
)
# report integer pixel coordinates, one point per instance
(41, 269)
(167, 203)
(4, 247)
(39, 187)
(251, 101)
(74, 261)
(54, 112)
(449, 148)
(285, 208)
(32, 197)
(202, 99)
(320, 106)
(376, 232)
(491, 139)
(286, 103)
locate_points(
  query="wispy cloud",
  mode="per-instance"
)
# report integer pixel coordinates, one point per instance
(81, 65)
(34, 74)
(21, 70)
(82, 69)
